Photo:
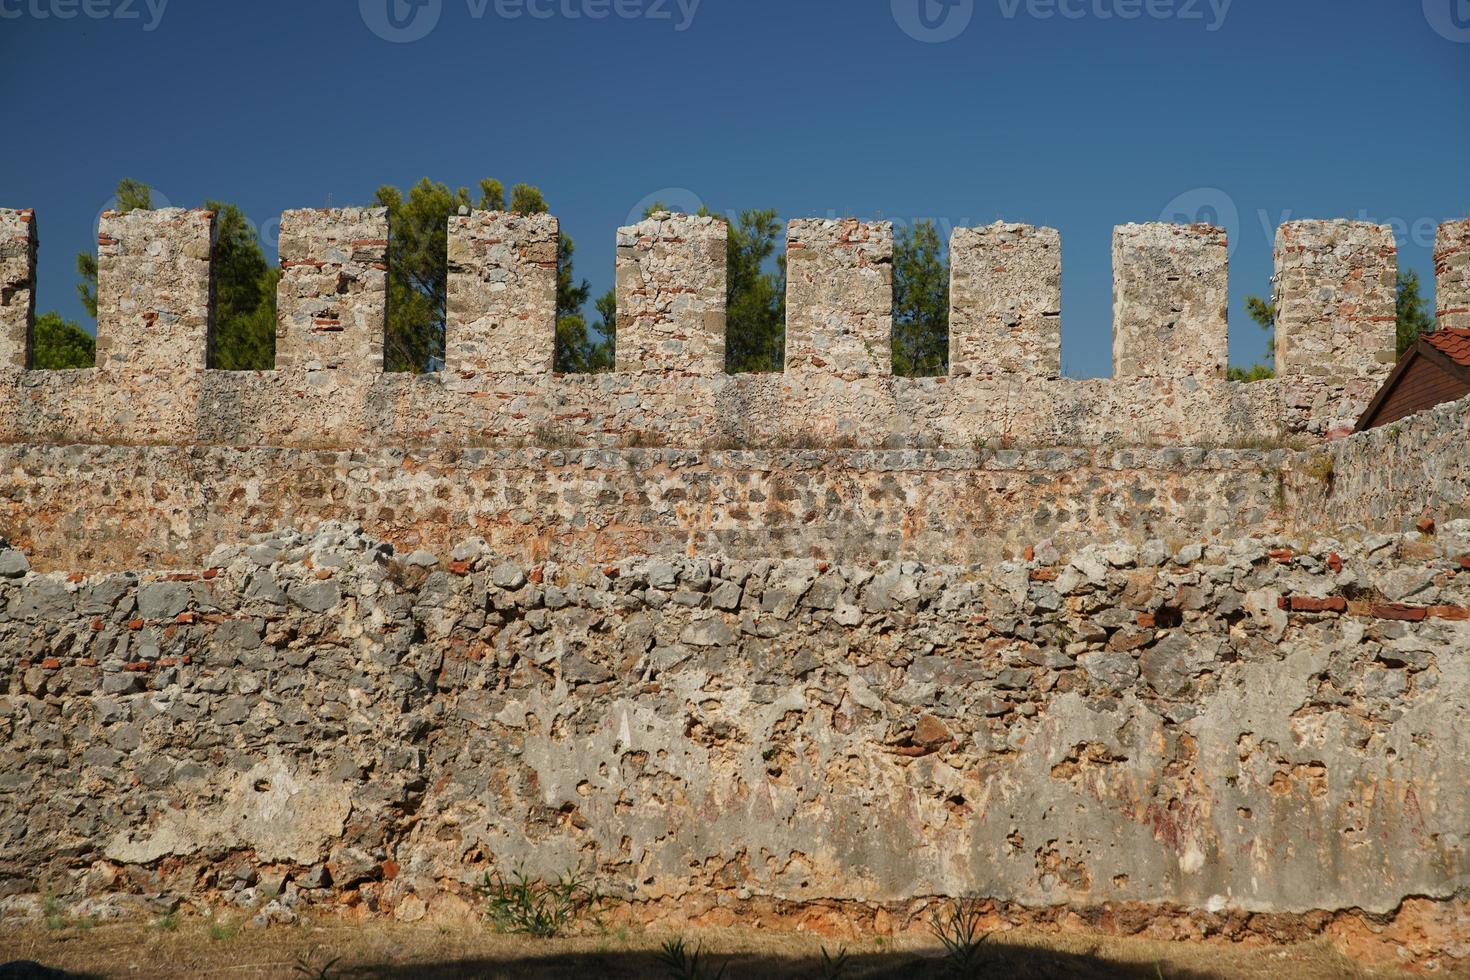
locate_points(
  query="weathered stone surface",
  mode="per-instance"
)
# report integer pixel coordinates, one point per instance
(501, 299)
(1335, 299)
(332, 301)
(155, 290)
(1265, 759)
(166, 506)
(18, 244)
(839, 297)
(671, 295)
(1171, 300)
(1005, 300)
(1452, 275)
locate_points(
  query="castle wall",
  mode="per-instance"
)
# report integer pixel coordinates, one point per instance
(332, 301)
(155, 290)
(1392, 477)
(839, 298)
(501, 293)
(1225, 732)
(18, 244)
(671, 273)
(1005, 301)
(155, 272)
(1452, 274)
(116, 507)
(1335, 299)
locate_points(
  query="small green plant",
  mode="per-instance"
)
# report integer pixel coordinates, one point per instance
(1322, 468)
(958, 929)
(537, 908)
(54, 912)
(87, 922)
(167, 923)
(306, 967)
(223, 931)
(834, 967)
(685, 964)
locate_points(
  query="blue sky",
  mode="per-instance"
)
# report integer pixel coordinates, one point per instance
(1079, 114)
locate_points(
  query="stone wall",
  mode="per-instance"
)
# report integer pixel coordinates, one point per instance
(1171, 301)
(1257, 737)
(839, 297)
(332, 301)
(1335, 299)
(1005, 299)
(154, 342)
(671, 295)
(1452, 274)
(119, 507)
(1389, 478)
(501, 293)
(155, 290)
(18, 244)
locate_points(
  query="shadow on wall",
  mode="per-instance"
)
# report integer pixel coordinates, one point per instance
(1011, 962)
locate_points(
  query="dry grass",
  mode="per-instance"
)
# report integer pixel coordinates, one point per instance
(393, 950)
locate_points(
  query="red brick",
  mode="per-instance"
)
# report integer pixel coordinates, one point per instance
(1426, 526)
(1306, 604)
(1402, 613)
(1458, 613)
(1334, 562)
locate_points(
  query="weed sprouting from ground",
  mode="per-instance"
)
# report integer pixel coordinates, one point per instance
(306, 967)
(834, 967)
(685, 964)
(958, 929)
(544, 909)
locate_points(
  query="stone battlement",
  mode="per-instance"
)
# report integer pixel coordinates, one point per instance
(153, 382)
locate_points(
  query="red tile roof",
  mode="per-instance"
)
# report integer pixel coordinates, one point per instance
(1454, 344)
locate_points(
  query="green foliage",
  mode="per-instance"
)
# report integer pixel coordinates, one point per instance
(1256, 372)
(418, 266)
(685, 964)
(958, 929)
(1264, 313)
(537, 908)
(1414, 316)
(755, 299)
(920, 303)
(61, 345)
(418, 275)
(245, 285)
(245, 295)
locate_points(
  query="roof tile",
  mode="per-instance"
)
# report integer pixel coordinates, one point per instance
(1453, 343)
